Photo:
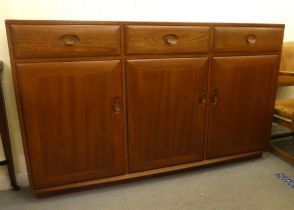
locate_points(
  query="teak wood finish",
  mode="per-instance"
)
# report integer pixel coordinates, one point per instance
(72, 134)
(239, 119)
(65, 41)
(108, 102)
(167, 39)
(165, 125)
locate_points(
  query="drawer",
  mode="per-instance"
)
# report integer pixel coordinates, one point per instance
(44, 41)
(167, 39)
(247, 39)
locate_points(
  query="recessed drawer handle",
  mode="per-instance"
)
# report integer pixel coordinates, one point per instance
(170, 39)
(69, 40)
(251, 39)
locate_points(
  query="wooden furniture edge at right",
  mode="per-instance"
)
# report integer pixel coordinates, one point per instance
(282, 154)
(286, 79)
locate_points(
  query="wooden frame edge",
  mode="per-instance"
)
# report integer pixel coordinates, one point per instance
(282, 154)
(168, 23)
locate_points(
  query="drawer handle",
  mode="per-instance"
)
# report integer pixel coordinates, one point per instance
(251, 39)
(69, 40)
(171, 39)
(215, 97)
(116, 105)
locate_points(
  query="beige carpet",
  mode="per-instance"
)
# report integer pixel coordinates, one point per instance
(241, 185)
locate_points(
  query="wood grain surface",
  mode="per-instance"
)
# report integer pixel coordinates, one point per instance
(103, 102)
(72, 132)
(43, 41)
(165, 115)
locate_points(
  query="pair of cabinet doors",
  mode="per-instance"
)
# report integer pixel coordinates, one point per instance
(177, 110)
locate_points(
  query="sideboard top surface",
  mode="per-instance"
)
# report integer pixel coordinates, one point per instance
(65, 22)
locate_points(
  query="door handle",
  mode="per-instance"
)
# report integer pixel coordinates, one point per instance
(116, 107)
(215, 97)
(202, 98)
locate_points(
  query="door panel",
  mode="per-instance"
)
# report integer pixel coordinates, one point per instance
(72, 132)
(166, 111)
(242, 91)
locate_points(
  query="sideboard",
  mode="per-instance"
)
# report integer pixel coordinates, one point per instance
(108, 102)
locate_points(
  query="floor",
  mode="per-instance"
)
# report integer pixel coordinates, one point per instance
(250, 184)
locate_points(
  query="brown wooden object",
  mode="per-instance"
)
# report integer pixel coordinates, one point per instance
(109, 102)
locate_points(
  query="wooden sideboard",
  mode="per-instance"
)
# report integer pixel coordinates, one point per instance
(108, 102)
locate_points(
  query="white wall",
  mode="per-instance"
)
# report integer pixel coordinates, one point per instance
(254, 11)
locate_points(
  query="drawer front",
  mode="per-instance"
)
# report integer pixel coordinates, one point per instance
(44, 41)
(167, 39)
(247, 39)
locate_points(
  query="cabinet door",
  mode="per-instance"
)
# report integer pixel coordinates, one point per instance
(242, 92)
(72, 120)
(166, 111)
